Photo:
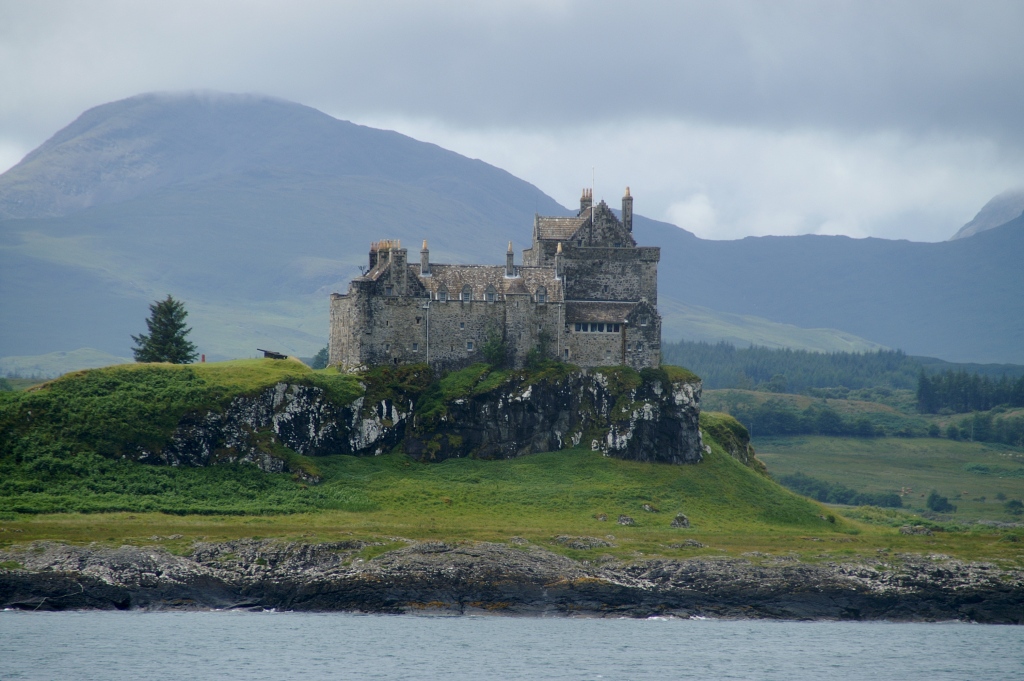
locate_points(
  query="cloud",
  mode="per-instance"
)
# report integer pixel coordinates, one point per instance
(726, 182)
(791, 115)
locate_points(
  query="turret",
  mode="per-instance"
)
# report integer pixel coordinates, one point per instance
(586, 200)
(510, 270)
(424, 260)
(627, 211)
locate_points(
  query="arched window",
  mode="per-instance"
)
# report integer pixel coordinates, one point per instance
(542, 295)
(491, 294)
(467, 293)
(442, 295)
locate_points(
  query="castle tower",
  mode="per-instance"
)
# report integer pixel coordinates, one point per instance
(627, 211)
(510, 270)
(586, 200)
(424, 260)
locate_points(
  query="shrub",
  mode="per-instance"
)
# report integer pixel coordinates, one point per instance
(939, 503)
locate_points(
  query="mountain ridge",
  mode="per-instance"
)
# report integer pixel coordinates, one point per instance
(261, 207)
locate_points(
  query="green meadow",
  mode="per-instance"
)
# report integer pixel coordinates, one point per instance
(977, 477)
(62, 477)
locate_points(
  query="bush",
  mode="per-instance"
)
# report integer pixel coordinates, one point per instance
(939, 503)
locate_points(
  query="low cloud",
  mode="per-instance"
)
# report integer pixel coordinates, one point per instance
(724, 182)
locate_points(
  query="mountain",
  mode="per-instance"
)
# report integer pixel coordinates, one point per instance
(1000, 210)
(252, 210)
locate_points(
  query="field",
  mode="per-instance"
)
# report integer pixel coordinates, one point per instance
(971, 474)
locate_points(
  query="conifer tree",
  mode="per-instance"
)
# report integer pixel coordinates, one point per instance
(166, 340)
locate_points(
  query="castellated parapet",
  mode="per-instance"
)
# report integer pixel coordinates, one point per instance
(585, 293)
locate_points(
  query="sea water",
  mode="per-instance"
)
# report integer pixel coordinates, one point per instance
(234, 645)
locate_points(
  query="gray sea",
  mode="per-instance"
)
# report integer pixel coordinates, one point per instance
(234, 645)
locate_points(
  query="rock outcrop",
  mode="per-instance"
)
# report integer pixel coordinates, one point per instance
(488, 577)
(645, 420)
(654, 420)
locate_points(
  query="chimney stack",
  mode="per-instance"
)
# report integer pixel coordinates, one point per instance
(627, 211)
(510, 270)
(424, 260)
(586, 200)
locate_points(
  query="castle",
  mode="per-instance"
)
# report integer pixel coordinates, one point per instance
(585, 293)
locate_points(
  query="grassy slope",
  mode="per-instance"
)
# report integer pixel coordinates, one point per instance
(733, 509)
(922, 464)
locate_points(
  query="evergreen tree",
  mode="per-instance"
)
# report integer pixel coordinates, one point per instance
(320, 359)
(166, 340)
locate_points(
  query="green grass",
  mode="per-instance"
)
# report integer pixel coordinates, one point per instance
(963, 471)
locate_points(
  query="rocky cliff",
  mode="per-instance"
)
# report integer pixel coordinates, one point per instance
(480, 413)
(515, 578)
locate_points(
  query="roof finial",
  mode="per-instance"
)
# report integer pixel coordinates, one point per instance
(509, 247)
(424, 244)
(627, 191)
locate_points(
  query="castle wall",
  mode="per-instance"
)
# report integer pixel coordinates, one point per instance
(611, 273)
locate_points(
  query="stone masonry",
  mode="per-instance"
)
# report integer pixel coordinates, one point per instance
(585, 293)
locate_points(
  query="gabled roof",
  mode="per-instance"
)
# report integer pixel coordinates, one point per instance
(560, 229)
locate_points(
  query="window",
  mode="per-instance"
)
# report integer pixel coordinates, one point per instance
(618, 244)
(469, 345)
(566, 353)
(418, 319)
(387, 347)
(389, 291)
(643, 320)
(542, 295)
(578, 325)
(415, 347)
(462, 325)
(604, 289)
(579, 243)
(467, 293)
(615, 330)
(593, 327)
(639, 346)
(442, 296)
(600, 327)
(490, 295)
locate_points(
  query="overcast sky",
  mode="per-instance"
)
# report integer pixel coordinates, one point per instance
(893, 119)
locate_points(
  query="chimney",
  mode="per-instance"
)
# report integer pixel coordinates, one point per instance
(627, 211)
(558, 260)
(424, 260)
(586, 200)
(510, 270)
(373, 255)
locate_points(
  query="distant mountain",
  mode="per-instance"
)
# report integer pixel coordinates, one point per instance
(252, 210)
(1001, 209)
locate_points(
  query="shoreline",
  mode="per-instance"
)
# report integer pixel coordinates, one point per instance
(516, 579)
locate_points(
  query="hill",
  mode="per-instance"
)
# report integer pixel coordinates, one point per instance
(252, 210)
(1001, 209)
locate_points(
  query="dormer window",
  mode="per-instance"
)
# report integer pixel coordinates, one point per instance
(542, 295)
(442, 295)
(467, 293)
(490, 295)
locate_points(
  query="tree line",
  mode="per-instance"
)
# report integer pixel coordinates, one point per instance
(961, 392)
(723, 365)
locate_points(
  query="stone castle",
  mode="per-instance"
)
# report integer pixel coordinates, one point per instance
(585, 293)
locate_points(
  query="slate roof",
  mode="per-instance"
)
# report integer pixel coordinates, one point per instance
(560, 229)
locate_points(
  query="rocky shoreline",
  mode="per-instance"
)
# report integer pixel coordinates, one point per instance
(517, 578)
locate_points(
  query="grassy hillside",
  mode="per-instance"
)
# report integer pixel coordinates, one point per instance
(65, 481)
(972, 475)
